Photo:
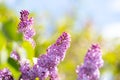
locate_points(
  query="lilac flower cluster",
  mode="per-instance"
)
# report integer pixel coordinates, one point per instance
(5, 74)
(27, 72)
(55, 53)
(46, 64)
(25, 26)
(92, 62)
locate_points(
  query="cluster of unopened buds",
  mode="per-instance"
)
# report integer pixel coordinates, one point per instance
(46, 65)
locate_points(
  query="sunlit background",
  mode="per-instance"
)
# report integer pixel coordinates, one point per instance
(88, 21)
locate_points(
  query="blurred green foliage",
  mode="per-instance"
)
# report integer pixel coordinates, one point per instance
(10, 39)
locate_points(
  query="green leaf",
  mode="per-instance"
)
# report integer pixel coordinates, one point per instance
(2, 41)
(13, 63)
(10, 30)
(29, 50)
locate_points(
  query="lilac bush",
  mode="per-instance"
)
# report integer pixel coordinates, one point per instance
(46, 65)
(89, 70)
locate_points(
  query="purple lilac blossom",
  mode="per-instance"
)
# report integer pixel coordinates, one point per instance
(92, 62)
(28, 34)
(15, 55)
(25, 27)
(5, 74)
(60, 47)
(55, 54)
(41, 72)
(26, 70)
(54, 74)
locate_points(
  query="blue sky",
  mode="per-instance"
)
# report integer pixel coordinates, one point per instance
(103, 13)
